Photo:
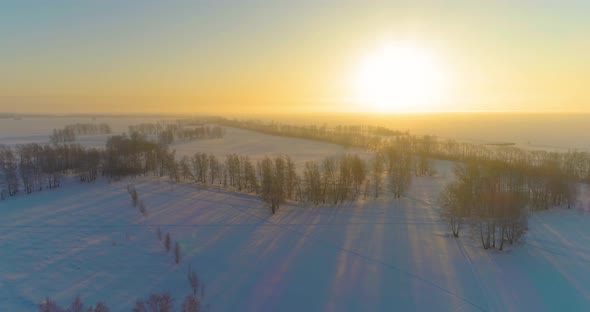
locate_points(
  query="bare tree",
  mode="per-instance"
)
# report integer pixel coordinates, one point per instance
(453, 211)
(268, 182)
(214, 168)
(377, 172)
(312, 183)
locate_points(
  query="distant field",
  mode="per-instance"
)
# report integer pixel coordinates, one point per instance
(38, 130)
(257, 145)
(253, 144)
(559, 132)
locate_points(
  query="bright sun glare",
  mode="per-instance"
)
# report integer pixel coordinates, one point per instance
(399, 78)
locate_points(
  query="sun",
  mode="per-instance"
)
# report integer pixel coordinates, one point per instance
(399, 78)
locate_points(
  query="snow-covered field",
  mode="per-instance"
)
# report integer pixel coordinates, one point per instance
(257, 145)
(243, 142)
(38, 130)
(371, 255)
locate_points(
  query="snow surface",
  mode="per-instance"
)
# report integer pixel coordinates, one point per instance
(38, 129)
(244, 142)
(372, 255)
(257, 145)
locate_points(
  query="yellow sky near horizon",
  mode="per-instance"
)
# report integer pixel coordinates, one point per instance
(272, 57)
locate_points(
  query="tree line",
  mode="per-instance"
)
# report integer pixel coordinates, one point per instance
(33, 167)
(168, 133)
(69, 132)
(331, 181)
(350, 136)
(334, 180)
(551, 175)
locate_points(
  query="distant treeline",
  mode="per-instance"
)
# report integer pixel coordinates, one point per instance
(167, 133)
(68, 133)
(351, 136)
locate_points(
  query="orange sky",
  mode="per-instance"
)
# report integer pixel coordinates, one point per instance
(275, 56)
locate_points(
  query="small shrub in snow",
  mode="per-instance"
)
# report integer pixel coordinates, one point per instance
(77, 305)
(142, 209)
(191, 304)
(167, 241)
(176, 252)
(155, 303)
(193, 280)
(139, 306)
(100, 307)
(134, 197)
(49, 305)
